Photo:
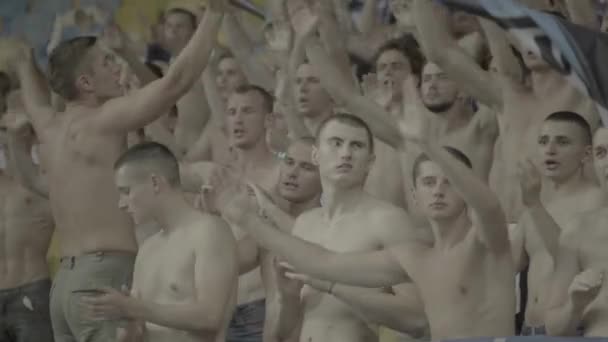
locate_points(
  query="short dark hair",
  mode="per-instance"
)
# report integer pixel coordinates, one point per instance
(576, 119)
(191, 16)
(456, 153)
(348, 119)
(65, 62)
(409, 47)
(152, 157)
(267, 98)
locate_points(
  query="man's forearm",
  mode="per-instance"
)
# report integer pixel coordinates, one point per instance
(189, 317)
(343, 90)
(303, 255)
(471, 188)
(35, 91)
(193, 59)
(243, 50)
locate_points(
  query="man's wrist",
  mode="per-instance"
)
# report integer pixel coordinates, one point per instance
(134, 309)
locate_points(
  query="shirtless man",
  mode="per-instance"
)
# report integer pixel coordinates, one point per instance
(344, 154)
(97, 240)
(300, 188)
(578, 292)
(564, 146)
(213, 143)
(26, 228)
(457, 125)
(247, 111)
(474, 297)
(521, 109)
(185, 277)
(395, 61)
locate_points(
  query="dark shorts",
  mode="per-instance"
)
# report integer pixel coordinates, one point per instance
(89, 271)
(247, 324)
(24, 313)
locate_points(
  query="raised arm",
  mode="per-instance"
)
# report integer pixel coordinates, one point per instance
(334, 38)
(492, 228)
(502, 53)
(440, 47)
(244, 51)
(34, 91)
(341, 88)
(371, 269)
(369, 16)
(127, 113)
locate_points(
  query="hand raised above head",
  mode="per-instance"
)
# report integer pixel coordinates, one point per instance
(303, 20)
(278, 36)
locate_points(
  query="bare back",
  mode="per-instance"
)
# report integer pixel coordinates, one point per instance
(84, 199)
(26, 228)
(473, 297)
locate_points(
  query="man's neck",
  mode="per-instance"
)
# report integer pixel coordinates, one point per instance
(455, 118)
(565, 187)
(312, 122)
(449, 232)
(338, 201)
(257, 155)
(545, 81)
(174, 212)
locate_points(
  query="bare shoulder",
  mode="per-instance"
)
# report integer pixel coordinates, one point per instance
(391, 223)
(210, 231)
(150, 245)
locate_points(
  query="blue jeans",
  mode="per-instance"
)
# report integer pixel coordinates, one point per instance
(24, 313)
(247, 324)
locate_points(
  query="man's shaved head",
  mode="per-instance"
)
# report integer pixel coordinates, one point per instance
(151, 158)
